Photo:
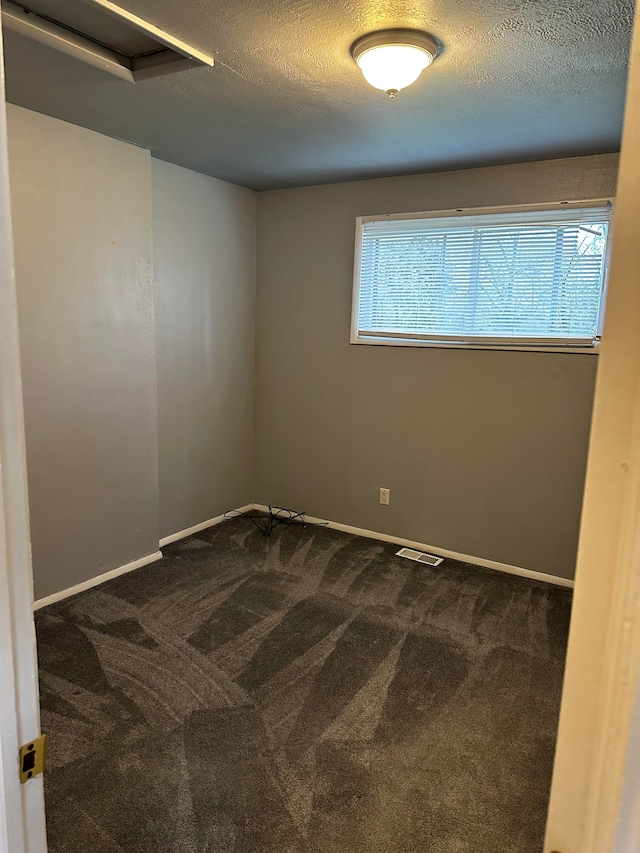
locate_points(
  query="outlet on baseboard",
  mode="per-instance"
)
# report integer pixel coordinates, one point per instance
(385, 496)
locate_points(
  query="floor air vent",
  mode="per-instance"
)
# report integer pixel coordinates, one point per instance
(419, 556)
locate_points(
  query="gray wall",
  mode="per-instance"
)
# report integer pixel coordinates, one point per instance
(83, 221)
(484, 451)
(81, 207)
(204, 256)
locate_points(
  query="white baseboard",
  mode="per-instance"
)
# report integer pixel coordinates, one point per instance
(182, 534)
(335, 525)
(107, 576)
(136, 564)
(441, 552)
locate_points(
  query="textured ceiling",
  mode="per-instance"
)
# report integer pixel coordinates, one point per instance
(286, 106)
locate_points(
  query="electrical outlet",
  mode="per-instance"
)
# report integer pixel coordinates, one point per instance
(385, 496)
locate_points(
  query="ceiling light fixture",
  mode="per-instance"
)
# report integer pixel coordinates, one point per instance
(393, 59)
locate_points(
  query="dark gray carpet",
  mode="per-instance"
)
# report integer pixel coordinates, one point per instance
(306, 693)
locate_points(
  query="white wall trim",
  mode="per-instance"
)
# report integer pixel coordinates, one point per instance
(335, 525)
(136, 564)
(182, 534)
(99, 579)
(441, 552)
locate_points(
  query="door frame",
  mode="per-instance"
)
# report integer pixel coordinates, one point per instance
(22, 817)
(595, 796)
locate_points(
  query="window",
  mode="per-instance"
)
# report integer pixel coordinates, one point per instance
(527, 278)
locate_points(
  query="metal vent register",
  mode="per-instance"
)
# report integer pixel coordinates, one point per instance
(419, 556)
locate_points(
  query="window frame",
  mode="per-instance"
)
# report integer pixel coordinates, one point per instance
(488, 343)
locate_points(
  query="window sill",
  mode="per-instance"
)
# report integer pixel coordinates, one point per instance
(399, 342)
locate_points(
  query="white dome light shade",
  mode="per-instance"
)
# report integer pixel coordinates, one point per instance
(392, 67)
(394, 59)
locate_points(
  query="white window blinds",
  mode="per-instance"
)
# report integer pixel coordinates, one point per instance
(533, 277)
